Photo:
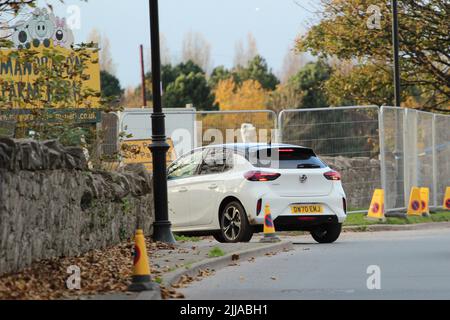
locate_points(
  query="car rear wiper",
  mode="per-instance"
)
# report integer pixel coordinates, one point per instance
(308, 166)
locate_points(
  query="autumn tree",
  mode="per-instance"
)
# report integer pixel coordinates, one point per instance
(345, 31)
(189, 88)
(292, 63)
(311, 80)
(110, 85)
(231, 96)
(132, 98)
(169, 75)
(218, 74)
(285, 96)
(106, 61)
(244, 54)
(257, 70)
(250, 95)
(165, 55)
(197, 50)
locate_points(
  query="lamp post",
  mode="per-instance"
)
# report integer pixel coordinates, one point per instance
(395, 43)
(162, 226)
(399, 159)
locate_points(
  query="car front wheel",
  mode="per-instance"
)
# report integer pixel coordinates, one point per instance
(328, 233)
(234, 225)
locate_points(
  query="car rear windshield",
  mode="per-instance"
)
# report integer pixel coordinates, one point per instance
(285, 158)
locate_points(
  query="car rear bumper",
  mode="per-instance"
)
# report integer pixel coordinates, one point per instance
(333, 206)
(303, 223)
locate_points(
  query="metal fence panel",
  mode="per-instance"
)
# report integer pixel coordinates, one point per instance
(416, 153)
(347, 138)
(423, 174)
(217, 127)
(442, 156)
(180, 127)
(392, 124)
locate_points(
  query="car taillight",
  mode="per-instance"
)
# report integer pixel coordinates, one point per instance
(333, 176)
(259, 176)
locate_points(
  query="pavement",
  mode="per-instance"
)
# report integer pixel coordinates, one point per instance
(189, 259)
(411, 264)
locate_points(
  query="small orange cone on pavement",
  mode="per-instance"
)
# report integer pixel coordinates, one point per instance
(141, 280)
(425, 200)
(270, 235)
(415, 203)
(447, 199)
(376, 210)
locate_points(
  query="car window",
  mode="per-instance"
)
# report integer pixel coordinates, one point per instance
(216, 160)
(286, 158)
(186, 166)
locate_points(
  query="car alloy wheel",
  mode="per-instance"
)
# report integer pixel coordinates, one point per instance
(232, 223)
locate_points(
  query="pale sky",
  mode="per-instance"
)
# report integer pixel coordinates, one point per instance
(274, 23)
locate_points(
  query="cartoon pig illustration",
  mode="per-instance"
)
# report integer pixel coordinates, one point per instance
(42, 27)
(21, 36)
(63, 36)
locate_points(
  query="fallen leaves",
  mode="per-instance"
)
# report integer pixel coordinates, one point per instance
(183, 282)
(270, 254)
(170, 293)
(102, 271)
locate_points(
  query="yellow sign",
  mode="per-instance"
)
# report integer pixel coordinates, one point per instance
(415, 203)
(23, 84)
(425, 200)
(138, 152)
(447, 199)
(376, 210)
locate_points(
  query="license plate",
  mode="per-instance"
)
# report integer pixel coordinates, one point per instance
(307, 209)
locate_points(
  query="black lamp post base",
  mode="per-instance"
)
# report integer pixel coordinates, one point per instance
(162, 232)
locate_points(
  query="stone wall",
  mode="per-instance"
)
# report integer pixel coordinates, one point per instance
(360, 177)
(51, 205)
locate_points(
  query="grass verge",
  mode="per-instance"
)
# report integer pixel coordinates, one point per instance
(180, 238)
(359, 219)
(216, 252)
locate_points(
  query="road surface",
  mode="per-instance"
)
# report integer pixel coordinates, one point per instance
(412, 265)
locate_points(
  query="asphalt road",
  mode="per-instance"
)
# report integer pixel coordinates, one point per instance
(412, 265)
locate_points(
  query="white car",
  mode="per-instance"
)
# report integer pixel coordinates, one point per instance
(222, 190)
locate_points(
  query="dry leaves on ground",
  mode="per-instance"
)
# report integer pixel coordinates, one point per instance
(183, 282)
(102, 271)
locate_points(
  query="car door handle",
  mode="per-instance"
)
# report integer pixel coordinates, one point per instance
(183, 190)
(213, 186)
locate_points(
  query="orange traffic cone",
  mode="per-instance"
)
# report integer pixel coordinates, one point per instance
(447, 199)
(269, 228)
(425, 201)
(141, 280)
(377, 209)
(415, 203)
